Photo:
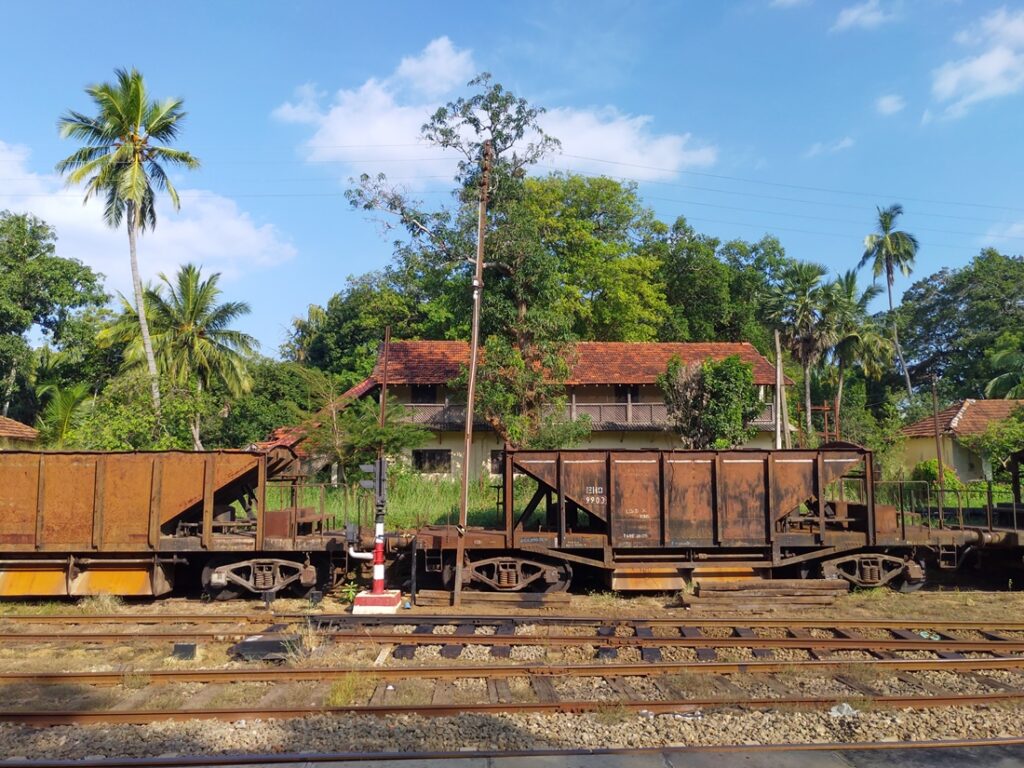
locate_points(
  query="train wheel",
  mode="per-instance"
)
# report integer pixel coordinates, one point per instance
(227, 592)
(517, 574)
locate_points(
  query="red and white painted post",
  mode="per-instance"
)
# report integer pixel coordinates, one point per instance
(378, 599)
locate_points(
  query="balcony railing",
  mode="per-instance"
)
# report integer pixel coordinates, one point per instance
(603, 416)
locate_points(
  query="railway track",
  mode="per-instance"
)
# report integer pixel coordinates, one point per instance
(988, 748)
(678, 688)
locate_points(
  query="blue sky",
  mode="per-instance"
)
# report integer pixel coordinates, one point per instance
(794, 117)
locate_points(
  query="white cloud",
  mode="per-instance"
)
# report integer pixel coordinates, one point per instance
(376, 126)
(866, 15)
(889, 104)
(210, 230)
(829, 147)
(998, 235)
(788, 3)
(437, 70)
(996, 70)
(591, 136)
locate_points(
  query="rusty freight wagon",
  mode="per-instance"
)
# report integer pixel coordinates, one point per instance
(83, 523)
(651, 519)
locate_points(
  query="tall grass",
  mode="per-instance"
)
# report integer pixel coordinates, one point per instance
(414, 500)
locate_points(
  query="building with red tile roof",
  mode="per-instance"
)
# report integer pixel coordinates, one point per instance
(14, 434)
(966, 418)
(614, 383)
(594, 362)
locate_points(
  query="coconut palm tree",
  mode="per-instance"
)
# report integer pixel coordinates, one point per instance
(858, 340)
(889, 250)
(126, 147)
(796, 305)
(193, 342)
(63, 404)
(1008, 359)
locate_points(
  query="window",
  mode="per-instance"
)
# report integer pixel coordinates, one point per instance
(432, 461)
(497, 462)
(424, 393)
(627, 392)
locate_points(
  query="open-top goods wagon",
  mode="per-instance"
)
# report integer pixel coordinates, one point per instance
(81, 523)
(135, 523)
(653, 519)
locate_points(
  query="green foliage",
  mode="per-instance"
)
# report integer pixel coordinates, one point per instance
(1007, 362)
(38, 289)
(1000, 440)
(279, 397)
(875, 428)
(716, 291)
(604, 245)
(952, 322)
(123, 418)
(521, 395)
(711, 404)
(928, 471)
(125, 148)
(61, 413)
(889, 250)
(193, 343)
(349, 431)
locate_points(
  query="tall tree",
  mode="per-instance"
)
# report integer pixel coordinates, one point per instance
(711, 404)
(193, 342)
(126, 146)
(857, 338)
(951, 321)
(888, 250)
(523, 318)
(38, 289)
(796, 304)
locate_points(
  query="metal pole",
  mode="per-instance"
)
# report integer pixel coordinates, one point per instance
(778, 396)
(379, 496)
(478, 287)
(938, 450)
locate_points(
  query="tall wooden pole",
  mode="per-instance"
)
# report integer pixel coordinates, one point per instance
(474, 344)
(938, 449)
(778, 391)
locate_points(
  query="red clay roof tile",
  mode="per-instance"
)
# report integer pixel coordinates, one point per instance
(15, 430)
(969, 417)
(597, 362)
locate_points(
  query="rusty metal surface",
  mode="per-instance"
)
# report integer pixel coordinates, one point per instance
(454, 672)
(690, 498)
(90, 501)
(656, 706)
(635, 499)
(653, 499)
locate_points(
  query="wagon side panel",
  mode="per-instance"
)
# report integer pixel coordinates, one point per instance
(19, 488)
(689, 499)
(636, 499)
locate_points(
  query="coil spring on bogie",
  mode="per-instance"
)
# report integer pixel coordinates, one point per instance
(508, 576)
(263, 577)
(872, 573)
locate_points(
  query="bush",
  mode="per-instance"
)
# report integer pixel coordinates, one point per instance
(928, 471)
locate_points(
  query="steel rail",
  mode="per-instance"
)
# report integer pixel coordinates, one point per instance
(689, 621)
(141, 618)
(654, 706)
(522, 619)
(831, 643)
(122, 637)
(277, 758)
(491, 671)
(804, 643)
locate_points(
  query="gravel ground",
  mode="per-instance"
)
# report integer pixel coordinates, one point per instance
(603, 729)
